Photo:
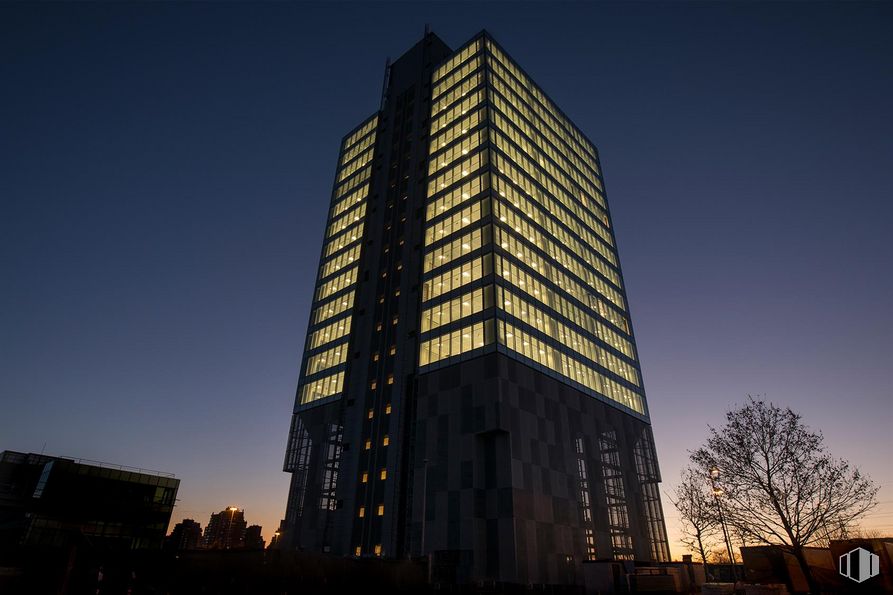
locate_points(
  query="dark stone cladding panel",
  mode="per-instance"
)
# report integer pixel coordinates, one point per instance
(502, 480)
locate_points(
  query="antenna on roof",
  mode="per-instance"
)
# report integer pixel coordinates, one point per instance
(427, 29)
(384, 86)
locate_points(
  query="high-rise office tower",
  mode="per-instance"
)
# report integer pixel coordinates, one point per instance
(470, 388)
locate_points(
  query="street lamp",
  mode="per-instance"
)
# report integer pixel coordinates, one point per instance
(717, 493)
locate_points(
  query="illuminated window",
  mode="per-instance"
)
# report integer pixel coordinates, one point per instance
(378, 326)
(349, 201)
(456, 342)
(390, 379)
(328, 333)
(387, 409)
(358, 551)
(381, 510)
(385, 441)
(395, 319)
(529, 346)
(327, 359)
(383, 474)
(331, 308)
(321, 388)
(371, 414)
(534, 288)
(457, 196)
(362, 512)
(458, 172)
(456, 277)
(446, 253)
(375, 356)
(565, 335)
(339, 262)
(457, 151)
(392, 350)
(373, 385)
(368, 445)
(337, 283)
(365, 477)
(378, 549)
(457, 308)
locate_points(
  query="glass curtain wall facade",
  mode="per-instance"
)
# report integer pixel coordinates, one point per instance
(518, 244)
(469, 268)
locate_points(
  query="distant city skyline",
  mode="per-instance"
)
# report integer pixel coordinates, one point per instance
(168, 169)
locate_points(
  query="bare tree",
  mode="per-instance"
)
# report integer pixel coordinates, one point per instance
(779, 485)
(693, 500)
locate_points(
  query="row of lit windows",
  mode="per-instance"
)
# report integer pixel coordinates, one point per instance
(343, 240)
(346, 220)
(382, 475)
(322, 388)
(545, 173)
(524, 230)
(519, 110)
(456, 342)
(552, 273)
(328, 333)
(555, 219)
(531, 142)
(551, 113)
(457, 196)
(338, 283)
(457, 277)
(456, 130)
(384, 442)
(361, 145)
(358, 551)
(525, 182)
(457, 308)
(458, 220)
(349, 201)
(537, 350)
(460, 90)
(524, 281)
(351, 168)
(457, 111)
(326, 359)
(362, 511)
(459, 171)
(456, 60)
(352, 182)
(563, 334)
(457, 151)
(343, 232)
(360, 133)
(564, 254)
(339, 262)
(457, 248)
(457, 75)
(331, 308)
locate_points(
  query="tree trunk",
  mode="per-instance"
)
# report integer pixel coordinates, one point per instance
(807, 573)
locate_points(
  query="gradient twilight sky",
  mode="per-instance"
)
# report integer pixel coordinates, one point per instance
(165, 171)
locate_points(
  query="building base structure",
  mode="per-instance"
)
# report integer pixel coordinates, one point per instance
(502, 450)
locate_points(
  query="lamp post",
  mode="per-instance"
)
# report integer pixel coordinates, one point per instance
(717, 492)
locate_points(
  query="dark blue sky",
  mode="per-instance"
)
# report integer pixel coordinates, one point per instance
(165, 171)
